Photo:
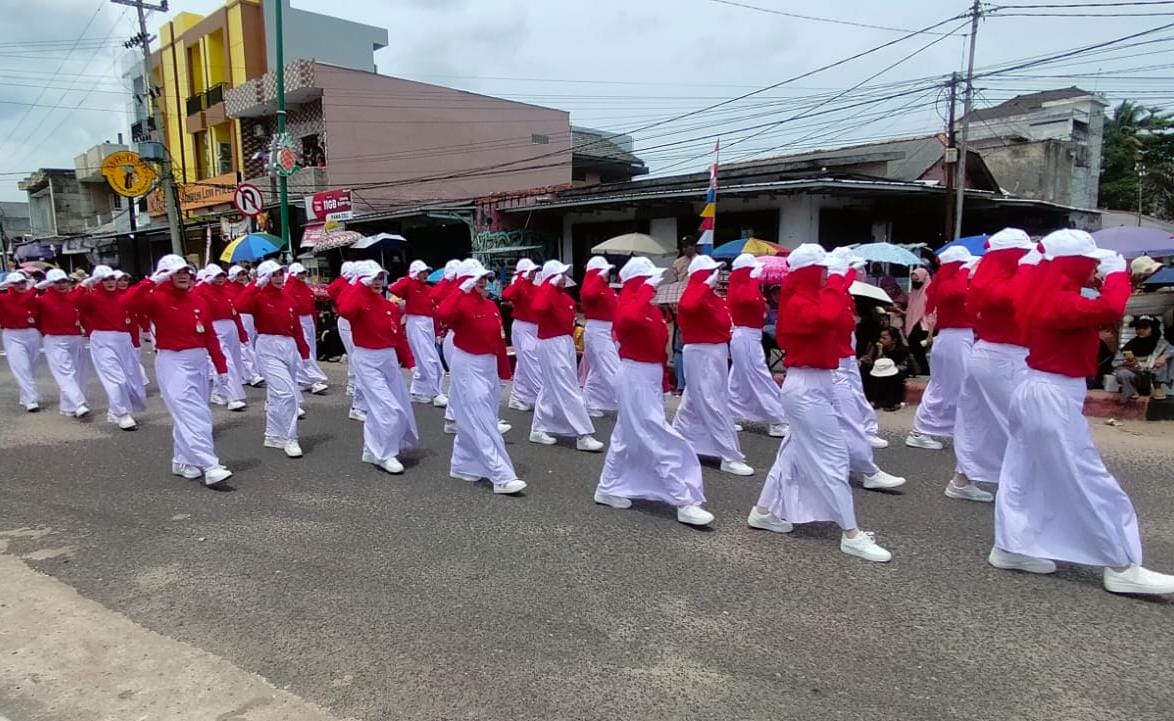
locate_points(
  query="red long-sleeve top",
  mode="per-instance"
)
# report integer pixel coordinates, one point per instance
(702, 313)
(846, 321)
(808, 328)
(992, 295)
(946, 294)
(597, 297)
(416, 294)
(476, 324)
(554, 311)
(639, 326)
(520, 294)
(745, 300)
(336, 287)
(18, 310)
(273, 314)
(299, 295)
(375, 322)
(1062, 334)
(103, 309)
(182, 319)
(439, 293)
(57, 312)
(222, 306)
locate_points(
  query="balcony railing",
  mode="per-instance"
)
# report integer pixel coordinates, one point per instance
(195, 104)
(141, 131)
(214, 95)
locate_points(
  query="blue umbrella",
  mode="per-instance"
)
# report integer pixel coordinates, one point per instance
(251, 247)
(1165, 276)
(436, 275)
(886, 253)
(976, 244)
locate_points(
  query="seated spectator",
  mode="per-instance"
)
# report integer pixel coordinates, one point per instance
(884, 367)
(1142, 366)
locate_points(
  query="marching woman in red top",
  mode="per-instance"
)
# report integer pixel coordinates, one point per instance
(281, 350)
(139, 325)
(184, 341)
(420, 326)
(524, 336)
(951, 350)
(647, 459)
(440, 292)
(479, 365)
(60, 324)
(704, 417)
(358, 411)
(381, 349)
(112, 349)
(229, 389)
(297, 290)
(238, 278)
(559, 409)
(809, 479)
(1056, 500)
(599, 346)
(754, 395)
(22, 340)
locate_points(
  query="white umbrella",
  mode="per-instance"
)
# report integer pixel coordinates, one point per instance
(371, 240)
(632, 244)
(886, 253)
(870, 291)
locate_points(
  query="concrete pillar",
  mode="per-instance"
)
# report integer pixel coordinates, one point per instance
(664, 230)
(566, 248)
(798, 220)
(882, 231)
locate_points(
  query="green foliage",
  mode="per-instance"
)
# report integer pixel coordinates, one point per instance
(1138, 136)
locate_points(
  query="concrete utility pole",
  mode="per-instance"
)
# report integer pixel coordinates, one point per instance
(282, 181)
(967, 106)
(951, 159)
(166, 177)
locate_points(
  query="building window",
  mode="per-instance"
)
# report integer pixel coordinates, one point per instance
(224, 158)
(536, 139)
(313, 156)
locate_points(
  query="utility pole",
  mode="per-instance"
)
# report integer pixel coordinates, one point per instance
(951, 160)
(967, 106)
(166, 177)
(282, 182)
(1140, 167)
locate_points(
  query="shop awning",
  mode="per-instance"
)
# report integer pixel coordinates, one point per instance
(33, 251)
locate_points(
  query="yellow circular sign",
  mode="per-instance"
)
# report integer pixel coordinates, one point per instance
(127, 174)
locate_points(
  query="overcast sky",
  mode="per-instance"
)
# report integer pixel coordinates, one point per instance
(615, 64)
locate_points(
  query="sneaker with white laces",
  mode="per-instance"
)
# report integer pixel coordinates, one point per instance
(1138, 580)
(32, 407)
(356, 415)
(509, 488)
(236, 406)
(588, 444)
(440, 401)
(293, 449)
(767, 522)
(864, 546)
(968, 492)
(736, 468)
(421, 400)
(1009, 561)
(217, 400)
(607, 499)
(81, 411)
(301, 412)
(272, 442)
(542, 439)
(882, 480)
(256, 381)
(318, 388)
(216, 476)
(877, 442)
(778, 430)
(127, 423)
(503, 427)
(920, 440)
(191, 473)
(694, 515)
(518, 405)
(464, 476)
(450, 427)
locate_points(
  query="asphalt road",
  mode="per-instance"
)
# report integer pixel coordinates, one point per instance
(422, 597)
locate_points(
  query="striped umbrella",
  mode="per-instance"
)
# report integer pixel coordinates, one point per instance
(753, 246)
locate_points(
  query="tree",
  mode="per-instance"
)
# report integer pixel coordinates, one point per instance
(1138, 140)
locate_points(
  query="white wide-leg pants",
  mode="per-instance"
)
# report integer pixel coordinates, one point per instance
(278, 359)
(754, 395)
(602, 357)
(559, 408)
(117, 364)
(478, 449)
(66, 356)
(183, 383)
(428, 375)
(527, 373)
(390, 426)
(230, 386)
(309, 372)
(704, 417)
(948, 358)
(22, 347)
(994, 372)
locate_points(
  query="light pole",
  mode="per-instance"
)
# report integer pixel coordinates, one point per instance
(282, 182)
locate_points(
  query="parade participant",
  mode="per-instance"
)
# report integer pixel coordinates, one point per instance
(184, 341)
(447, 285)
(229, 389)
(647, 459)
(281, 352)
(948, 356)
(704, 417)
(420, 325)
(238, 278)
(1056, 500)
(358, 410)
(559, 409)
(754, 395)
(22, 340)
(310, 376)
(599, 347)
(139, 327)
(111, 328)
(380, 350)
(524, 336)
(997, 365)
(60, 325)
(809, 479)
(479, 365)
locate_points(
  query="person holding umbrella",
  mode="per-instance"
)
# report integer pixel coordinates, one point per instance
(524, 336)
(229, 390)
(22, 339)
(358, 411)
(59, 322)
(112, 349)
(599, 347)
(238, 278)
(310, 377)
(420, 309)
(754, 395)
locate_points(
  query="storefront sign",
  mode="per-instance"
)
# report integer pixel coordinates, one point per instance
(329, 205)
(127, 174)
(202, 194)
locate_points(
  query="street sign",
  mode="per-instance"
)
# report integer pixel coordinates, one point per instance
(127, 174)
(330, 205)
(248, 199)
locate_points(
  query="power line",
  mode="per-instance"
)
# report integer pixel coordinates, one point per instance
(835, 21)
(1087, 5)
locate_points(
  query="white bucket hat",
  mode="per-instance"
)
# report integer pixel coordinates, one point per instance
(551, 269)
(235, 271)
(101, 273)
(13, 278)
(267, 270)
(883, 368)
(55, 275)
(598, 262)
(525, 265)
(639, 267)
(1069, 243)
(297, 269)
(450, 269)
(954, 254)
(1010, 239)
(417, 267)
(213, 270)
(703, 263)
(807, 255)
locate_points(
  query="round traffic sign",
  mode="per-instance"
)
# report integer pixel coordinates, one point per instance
(248, 199)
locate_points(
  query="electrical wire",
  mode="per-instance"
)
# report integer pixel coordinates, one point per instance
(814, 18)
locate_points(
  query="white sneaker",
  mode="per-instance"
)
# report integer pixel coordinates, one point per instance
(301, 412)
(778, 430)
(736, 468)
(542, 439)
(271, 442)
(1019, 562)
(918, 440)
(767, 522)
(589, 444)
(32, 407)
(216, 475)
(864, 546)
(111, 418)
(464, 476)
(607, 499)
(450, 427)
(350, 389)
(217, 400)
(81, 411)
(127, 423)
(1136, 579)
(392, 466)
(189, 472)
(422, 400)
(503, 427)
(509, 487)
(356, 415)
(880, 479)
(738, 428)
(236, 406)
(969, 492)
(318, 388)
(440, 401)
(519, 406)
(595, 414)
(256, 381)
(293, 450)
(694, 515)
(877, 442)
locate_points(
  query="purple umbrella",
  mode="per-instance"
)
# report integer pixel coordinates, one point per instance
(1132, 241)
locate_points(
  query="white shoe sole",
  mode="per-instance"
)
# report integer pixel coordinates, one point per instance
(463, 477)
(781, 527)
(954, 492)
(1137, 589)
(606, 499)
(1040, 566)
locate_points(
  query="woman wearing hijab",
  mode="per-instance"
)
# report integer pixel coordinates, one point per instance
(1056, 500)
(704, 416)
(22, 340)
(238, 278)
(647, 459)
(297, 290)
(380, 350)
(754, 395)
(918, 325)
(335, 290)
(59, 322)
(139, 326)
(281, 352)
(112, 347)
(951, 350)
(440, 292)
(559, 409)
(229, 389)
(184, 342)
(809, 479)
(479, 365)
(1147, 353)
(599, 346)
(524, 336)
(420, 325)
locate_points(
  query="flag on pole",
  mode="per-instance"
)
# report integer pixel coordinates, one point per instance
(709, 214)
